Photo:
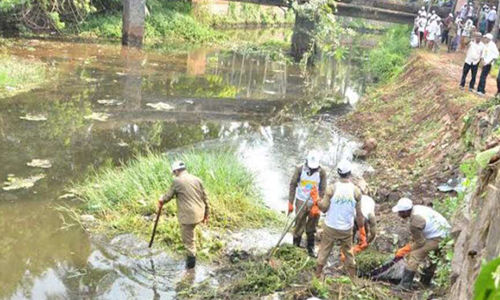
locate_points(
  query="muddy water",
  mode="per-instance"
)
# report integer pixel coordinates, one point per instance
(108, 103)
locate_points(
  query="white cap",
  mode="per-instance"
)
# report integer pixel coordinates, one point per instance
(344, 167)
(312, 160)
(488, 36)
(178, 165)
(403, 205)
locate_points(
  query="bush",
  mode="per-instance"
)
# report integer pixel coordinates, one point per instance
(388, 59)
(123, 199)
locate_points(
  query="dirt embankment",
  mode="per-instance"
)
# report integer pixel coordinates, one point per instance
(417, 120)
(425, 129)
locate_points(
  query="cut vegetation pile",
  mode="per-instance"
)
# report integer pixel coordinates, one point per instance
(124, 199)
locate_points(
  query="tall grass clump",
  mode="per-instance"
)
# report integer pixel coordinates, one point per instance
(18, 75)
(389, 57)
(124, 199)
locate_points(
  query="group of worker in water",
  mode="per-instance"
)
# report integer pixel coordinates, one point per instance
(348, 212)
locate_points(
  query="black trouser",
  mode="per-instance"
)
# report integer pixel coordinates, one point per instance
(482, 79)
(490, 25)
(444, 37)
(465, 71)
(420, 37)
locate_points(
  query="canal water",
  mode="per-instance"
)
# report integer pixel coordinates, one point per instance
(107, 103)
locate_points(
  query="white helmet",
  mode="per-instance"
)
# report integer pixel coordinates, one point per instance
(489, 36)
(312, 160)
(178, 165)
(403, 204)
(344, 167)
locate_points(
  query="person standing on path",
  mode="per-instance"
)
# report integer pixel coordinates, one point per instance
(446, 30)
(428, 228)
(342, 205)
(305, 178)
(490, 54)
(192, 207)
(472, 59)
(452, 36)
(491, 17)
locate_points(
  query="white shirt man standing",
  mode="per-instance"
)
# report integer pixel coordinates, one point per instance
(472, 59)
(491, 18)
(490, 54)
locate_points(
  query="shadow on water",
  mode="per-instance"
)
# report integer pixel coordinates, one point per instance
(106, 105)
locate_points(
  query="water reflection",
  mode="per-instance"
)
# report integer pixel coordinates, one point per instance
(207, 95)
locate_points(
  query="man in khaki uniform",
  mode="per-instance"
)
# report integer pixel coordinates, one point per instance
(428, 228)
(341, 204)
(305, 179)
(192, 207)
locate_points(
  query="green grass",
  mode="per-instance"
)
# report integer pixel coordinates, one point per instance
(122, 198)
(387, 60)
(19, 75)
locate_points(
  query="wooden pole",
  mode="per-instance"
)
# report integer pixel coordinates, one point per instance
(156, 224)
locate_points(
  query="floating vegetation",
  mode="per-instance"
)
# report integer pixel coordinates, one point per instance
(110, 102)
(160, 106)
(32, 117)
(15, 183)
(40, 163)
(98, 116)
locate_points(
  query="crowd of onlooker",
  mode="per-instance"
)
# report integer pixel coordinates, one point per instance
(471, 28)
(454, 31)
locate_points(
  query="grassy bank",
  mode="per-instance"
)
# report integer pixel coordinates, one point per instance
(19, 75)
(124, 199)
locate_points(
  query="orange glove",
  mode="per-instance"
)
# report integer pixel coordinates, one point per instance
(362, 236)
(314, 212)
(160, 204)
(403, 251)
(290, 207)
(342, 256)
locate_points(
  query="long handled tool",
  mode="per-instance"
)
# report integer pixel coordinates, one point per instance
(287, 227)
(156, 224)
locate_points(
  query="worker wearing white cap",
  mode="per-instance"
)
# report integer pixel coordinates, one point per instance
(490, 54)
(341, 204)
(428, 228)
(307, 180)
(192, 207)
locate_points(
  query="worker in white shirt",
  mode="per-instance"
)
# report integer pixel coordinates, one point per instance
(472, 59)
(422, 23)
(490, 54)
(433, 31)
(491, 18)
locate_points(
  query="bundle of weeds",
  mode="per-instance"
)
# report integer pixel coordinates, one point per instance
(343, 287)
(124, 199)
(371, 259)
(289, 266)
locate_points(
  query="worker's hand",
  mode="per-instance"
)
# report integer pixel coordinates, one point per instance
(290, 207)
(403, 251)
(362, 236)
(314, 195)
(160, 203)
(314, 212)
(205, 219)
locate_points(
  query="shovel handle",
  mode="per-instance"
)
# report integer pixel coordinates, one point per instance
(156, 224)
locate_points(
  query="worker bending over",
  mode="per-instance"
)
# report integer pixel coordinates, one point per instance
(342, 205)
(192, 207)
(428, 228)
(306, 178)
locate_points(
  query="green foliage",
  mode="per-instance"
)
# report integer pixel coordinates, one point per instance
(387, 60)
(370, 259)
(487, 286)
(262, 278)
(123, 198)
